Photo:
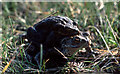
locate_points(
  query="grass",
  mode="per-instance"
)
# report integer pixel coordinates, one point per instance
(103, 24)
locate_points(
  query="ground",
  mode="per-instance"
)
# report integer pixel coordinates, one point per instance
(102, 20)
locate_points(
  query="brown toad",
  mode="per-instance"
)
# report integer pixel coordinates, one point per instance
(55, 32)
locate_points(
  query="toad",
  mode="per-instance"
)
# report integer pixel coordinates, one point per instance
(60, 38)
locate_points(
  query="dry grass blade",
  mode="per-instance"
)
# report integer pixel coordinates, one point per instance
(59, 51)
(5, 68)
(104, 42)
(18, 16)
(105, 66)
(112, 30)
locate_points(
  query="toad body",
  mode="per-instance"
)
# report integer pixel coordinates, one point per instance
(55, 32)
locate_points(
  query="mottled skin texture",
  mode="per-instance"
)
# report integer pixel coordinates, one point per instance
(54, 32)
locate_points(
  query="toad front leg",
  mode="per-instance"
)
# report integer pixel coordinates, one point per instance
(53, 58)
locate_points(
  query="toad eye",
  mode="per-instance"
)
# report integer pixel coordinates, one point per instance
(76, 39)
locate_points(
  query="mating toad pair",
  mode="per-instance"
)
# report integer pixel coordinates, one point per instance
(60, 38)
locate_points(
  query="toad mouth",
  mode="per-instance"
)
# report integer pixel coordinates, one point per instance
(74, 42)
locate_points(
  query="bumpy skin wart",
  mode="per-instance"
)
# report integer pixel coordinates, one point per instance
(54, 31)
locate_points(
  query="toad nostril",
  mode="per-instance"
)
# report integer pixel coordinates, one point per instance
(74, 23)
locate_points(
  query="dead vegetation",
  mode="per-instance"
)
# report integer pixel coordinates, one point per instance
(102, 20)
